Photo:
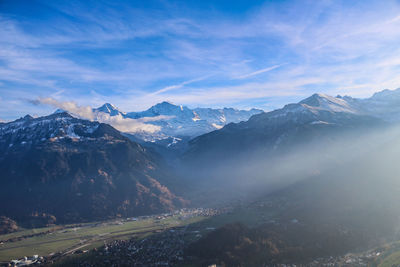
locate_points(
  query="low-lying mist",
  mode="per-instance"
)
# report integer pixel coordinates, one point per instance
(367, 158)
(328, 196)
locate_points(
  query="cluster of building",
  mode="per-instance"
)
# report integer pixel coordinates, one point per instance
(350, 260)
(164, 249)
(181, 214)
(26, 261)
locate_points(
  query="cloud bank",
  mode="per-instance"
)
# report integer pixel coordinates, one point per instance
(122, 124)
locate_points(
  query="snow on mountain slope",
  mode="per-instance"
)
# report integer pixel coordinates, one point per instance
(110, 109)
(329, 103)
(175, 121)
(220, 117)
(78, 170)
(178, 120)
(310, 119)
(28, 131)
(318, 117)
(384, 105)
(164, 108)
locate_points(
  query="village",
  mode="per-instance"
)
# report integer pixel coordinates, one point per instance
(164, 249)
(162, 246)
(163, 243)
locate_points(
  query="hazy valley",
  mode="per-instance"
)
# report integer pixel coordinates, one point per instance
(211, 133)
(308, 181)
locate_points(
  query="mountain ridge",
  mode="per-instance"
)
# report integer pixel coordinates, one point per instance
(316, 117)
(78, 170)
(177, 121)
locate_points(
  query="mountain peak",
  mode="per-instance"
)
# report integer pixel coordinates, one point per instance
(165, 104)
(316, 99)
(60, 114)
(386, 93)
(59, 110)
(27, 117)
(109, 108)
(327, 102)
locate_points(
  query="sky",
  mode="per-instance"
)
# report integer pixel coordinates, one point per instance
(242, 54)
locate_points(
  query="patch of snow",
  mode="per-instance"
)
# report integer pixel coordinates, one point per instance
(319, 122)
(196, 117)
(175, 140)
(71, 133)
(216, 126)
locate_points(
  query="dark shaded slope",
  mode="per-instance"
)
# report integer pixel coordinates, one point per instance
(276, 131)
(77, 169)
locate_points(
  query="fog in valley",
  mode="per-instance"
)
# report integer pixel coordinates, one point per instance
(200, 133)
(353, 172)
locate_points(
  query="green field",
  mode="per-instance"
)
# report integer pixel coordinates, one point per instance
(65, 239)
(390, 256)
(392, 260)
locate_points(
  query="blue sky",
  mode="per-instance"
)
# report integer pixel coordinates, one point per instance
(198, 53)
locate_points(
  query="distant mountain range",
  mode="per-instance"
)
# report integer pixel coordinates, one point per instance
(76, 169)
(384, 105)
(237, 157)
(313, 118)
(177, 121)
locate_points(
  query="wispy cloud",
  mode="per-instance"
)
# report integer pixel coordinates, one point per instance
(97, 51)
(245, 76)
(179, 85)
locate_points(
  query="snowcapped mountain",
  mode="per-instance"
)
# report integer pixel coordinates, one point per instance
(110, 109)
(28, 131)
(326, 102)
(384, 105)
(78, 170)
(164, 108)
(177, 121)
(316, 117)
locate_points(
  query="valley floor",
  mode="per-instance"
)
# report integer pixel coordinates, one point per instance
(52, 244)
(157, 240)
